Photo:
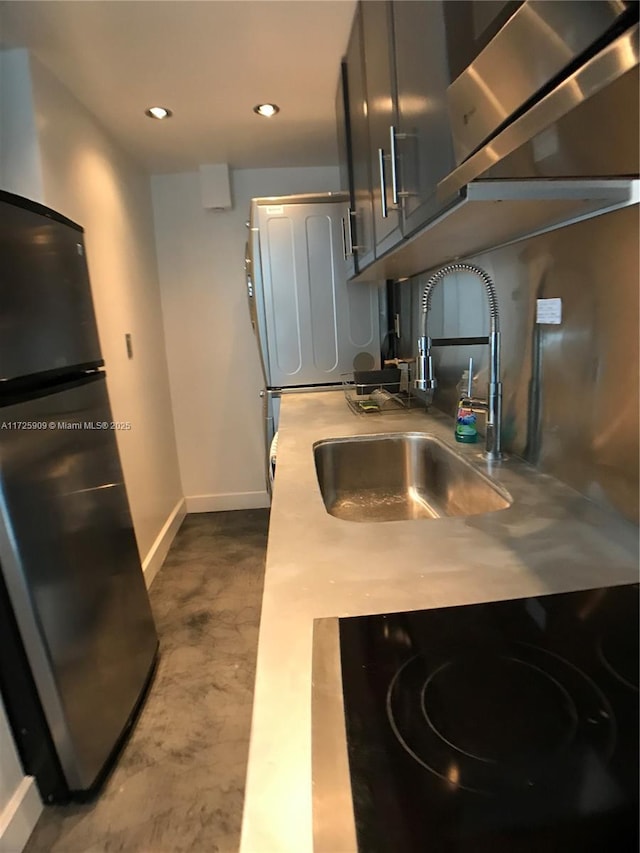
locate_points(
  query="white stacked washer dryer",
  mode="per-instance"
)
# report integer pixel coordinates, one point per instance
(312, 326)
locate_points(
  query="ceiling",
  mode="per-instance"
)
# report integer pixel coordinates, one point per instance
(210, 61)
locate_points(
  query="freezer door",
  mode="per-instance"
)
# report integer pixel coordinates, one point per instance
(47, 320)
(318, 325)
(72, 571)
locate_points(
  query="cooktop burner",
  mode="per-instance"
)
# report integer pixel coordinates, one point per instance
(529, 708)
(501, 726)
(618, 650)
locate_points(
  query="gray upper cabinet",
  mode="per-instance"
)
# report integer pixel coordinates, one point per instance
(423, 146)
(356, 96)
(396, 116)
(427, 210)
(377, 29)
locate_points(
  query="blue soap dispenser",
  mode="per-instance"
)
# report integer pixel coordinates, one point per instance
(466, 429)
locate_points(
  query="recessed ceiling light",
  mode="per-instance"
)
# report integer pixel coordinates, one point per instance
(158, 112)
(266, 110)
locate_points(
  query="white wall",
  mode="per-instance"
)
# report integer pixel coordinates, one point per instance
(20, 170)
(214, 367)
(89, 179)
(54, 151)
(20, 804)
(11, 775)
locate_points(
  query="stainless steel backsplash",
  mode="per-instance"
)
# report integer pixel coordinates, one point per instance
(571, 390)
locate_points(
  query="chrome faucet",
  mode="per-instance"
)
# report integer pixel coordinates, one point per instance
(425, 379)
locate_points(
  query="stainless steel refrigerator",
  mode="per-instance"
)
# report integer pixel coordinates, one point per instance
(77, 638)
(313, 326)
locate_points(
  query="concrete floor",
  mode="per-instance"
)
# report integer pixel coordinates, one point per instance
(179, 783)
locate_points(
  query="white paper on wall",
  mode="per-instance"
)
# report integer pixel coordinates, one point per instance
(549, 311)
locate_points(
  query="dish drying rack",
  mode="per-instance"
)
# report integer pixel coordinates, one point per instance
(375, 393)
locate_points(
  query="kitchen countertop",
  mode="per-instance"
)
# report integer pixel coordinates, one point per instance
(550, 540)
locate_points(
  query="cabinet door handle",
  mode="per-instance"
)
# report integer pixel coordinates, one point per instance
(347, 236)
(394, 167)
(355, 247)
(398, 194)
(349, 233)
(383, 184)
(344, 239)
(351, 216)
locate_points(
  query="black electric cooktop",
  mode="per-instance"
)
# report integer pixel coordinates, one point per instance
(507, 726)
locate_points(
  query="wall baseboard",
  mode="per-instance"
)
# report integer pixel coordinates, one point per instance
(223, 502)
(19, 816)
(158, 551)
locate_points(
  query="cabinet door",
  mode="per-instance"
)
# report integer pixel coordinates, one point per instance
(377, 27)
(362, 221)
(343, 130)
(423, 141)
(343, 126)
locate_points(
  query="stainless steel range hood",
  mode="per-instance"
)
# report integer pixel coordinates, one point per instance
(586, 126)
(493, 213)
(571, 156)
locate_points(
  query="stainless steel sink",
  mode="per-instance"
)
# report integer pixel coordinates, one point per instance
(401, 477)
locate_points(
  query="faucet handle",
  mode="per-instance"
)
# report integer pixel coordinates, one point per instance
(432, 382)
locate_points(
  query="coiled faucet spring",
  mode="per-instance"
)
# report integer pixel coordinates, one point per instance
(463, 266)
(425, 378)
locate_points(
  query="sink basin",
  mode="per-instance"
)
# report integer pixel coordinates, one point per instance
(401, 477)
